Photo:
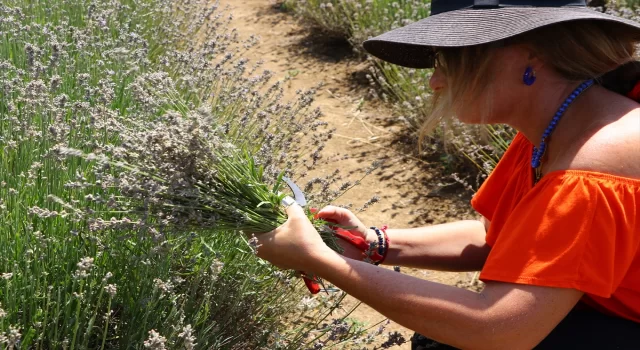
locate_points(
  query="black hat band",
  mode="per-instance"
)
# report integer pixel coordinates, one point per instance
(441, 6)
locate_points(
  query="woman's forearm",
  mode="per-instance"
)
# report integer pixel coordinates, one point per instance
(444, 313)
(456, 246)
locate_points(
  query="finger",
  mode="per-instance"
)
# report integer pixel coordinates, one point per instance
(295, 211)
(333, 213)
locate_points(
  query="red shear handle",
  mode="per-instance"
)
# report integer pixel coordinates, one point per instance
(355, 240)
(634, 94)
(358, 242)
(312, 285)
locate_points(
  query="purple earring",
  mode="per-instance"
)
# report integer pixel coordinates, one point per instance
(529, 76)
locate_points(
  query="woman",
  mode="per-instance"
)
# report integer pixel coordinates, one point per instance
(559, 243)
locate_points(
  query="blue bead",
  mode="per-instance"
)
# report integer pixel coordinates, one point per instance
(539, 151)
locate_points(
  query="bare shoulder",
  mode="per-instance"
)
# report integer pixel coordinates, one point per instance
(613, 148)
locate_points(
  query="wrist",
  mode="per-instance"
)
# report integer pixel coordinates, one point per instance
(380, 248)
(371, 236)
(320, 259)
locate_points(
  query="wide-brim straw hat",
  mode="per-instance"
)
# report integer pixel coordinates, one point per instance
(458, 23)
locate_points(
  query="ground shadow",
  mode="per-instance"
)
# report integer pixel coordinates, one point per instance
(314, 41)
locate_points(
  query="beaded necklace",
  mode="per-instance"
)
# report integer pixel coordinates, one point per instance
(538, 152)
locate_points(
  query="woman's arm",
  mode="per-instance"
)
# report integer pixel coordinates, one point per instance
(504, 315)
(456, 246)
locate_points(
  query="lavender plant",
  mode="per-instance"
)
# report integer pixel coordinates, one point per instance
(92, 75)
(628, 9)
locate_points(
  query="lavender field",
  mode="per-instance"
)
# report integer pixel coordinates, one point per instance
(82, 265)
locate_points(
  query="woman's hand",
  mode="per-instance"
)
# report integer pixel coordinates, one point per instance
(345, 218)
(295, 245)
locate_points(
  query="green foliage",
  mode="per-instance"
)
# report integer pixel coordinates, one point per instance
(632, 3)
(71, 70)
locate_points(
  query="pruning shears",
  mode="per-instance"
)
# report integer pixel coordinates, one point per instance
(312, 282)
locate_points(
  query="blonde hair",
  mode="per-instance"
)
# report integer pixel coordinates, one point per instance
(577, 50)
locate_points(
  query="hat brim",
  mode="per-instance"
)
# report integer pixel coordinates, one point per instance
(413, 45)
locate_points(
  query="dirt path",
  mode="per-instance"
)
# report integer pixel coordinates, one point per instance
(411, 192)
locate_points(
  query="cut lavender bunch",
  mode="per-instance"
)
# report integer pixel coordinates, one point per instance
(178, 172)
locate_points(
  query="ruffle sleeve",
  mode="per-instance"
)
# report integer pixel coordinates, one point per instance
(572, 230)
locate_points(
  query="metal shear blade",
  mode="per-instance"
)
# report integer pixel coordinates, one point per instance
(298, 195)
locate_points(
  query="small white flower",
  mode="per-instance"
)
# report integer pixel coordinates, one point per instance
(155, 341)
(13, 337)
(189, 338)
(111, 289)
(165, 287)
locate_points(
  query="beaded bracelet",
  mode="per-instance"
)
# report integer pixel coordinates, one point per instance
(383, 243)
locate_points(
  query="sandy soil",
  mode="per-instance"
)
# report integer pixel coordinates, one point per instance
(411, 191)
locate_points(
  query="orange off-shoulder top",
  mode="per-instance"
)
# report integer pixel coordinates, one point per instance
(573, 229)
